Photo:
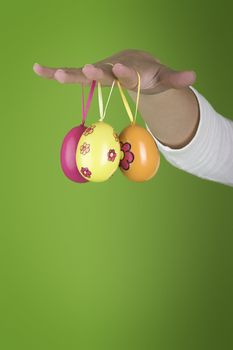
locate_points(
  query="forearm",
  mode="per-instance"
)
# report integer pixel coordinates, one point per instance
(209, 153)
(172, 116)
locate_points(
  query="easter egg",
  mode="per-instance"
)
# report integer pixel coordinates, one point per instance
(139, 154)
(68, 154)
(98, 152)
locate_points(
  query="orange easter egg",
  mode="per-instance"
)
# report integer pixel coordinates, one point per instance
(140, 157)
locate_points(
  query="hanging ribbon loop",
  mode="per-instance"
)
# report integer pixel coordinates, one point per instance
(125, 102)
(103, 110)
(124, 99)
(89, 99)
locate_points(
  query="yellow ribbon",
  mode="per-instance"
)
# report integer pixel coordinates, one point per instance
(124, 99)
(103, 110)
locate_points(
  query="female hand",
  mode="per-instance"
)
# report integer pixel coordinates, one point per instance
(155, 77)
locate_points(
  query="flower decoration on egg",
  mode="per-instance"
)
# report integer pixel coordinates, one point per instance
(86, 172)
(102, 158)
(111, 155)
(85, 148)
(127, 156)
(89, 130)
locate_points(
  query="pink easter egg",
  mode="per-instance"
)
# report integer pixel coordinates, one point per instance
(68, 154)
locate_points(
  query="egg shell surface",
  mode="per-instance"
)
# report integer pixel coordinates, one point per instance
(98, 152)
(68, 154)
(140, 157)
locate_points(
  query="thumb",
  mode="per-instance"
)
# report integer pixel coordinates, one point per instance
(176, 80)
(127, 76)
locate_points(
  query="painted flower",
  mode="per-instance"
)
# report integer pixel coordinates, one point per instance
(112, 155)
(127, 156)
(86, 172)
(85, 148)
(115, 137)
(89, 130)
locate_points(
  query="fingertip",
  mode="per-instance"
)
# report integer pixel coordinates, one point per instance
(188, 77)
(88, 65)
(126, 75)
(87, 68)
(92, 72)
(193, 76)
(37, 68)
(120, 70)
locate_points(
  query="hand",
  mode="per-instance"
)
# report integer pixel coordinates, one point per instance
(155, 77)
(172, 115)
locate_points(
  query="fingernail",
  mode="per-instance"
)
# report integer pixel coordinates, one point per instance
(119, 68)
(88, 65)
(119, 65)
(36, 67)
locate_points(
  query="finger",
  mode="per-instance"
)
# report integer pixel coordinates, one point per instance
(71, 76)
(102, 73)
(127, 76)
(45, 72)
(177, 80)
(62, 75)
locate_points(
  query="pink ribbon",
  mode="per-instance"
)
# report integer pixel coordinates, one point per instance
(90, 95)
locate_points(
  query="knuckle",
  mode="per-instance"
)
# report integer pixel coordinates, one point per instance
(61, 77)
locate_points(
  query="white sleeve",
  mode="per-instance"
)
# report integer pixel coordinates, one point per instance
(209, 155)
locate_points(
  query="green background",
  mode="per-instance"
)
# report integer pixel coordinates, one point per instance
(116, 265)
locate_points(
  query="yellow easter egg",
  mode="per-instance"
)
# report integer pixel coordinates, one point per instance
(98, 152)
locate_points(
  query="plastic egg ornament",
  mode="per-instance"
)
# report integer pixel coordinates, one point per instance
(68, 154)
(98, 152)
(140, 157)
